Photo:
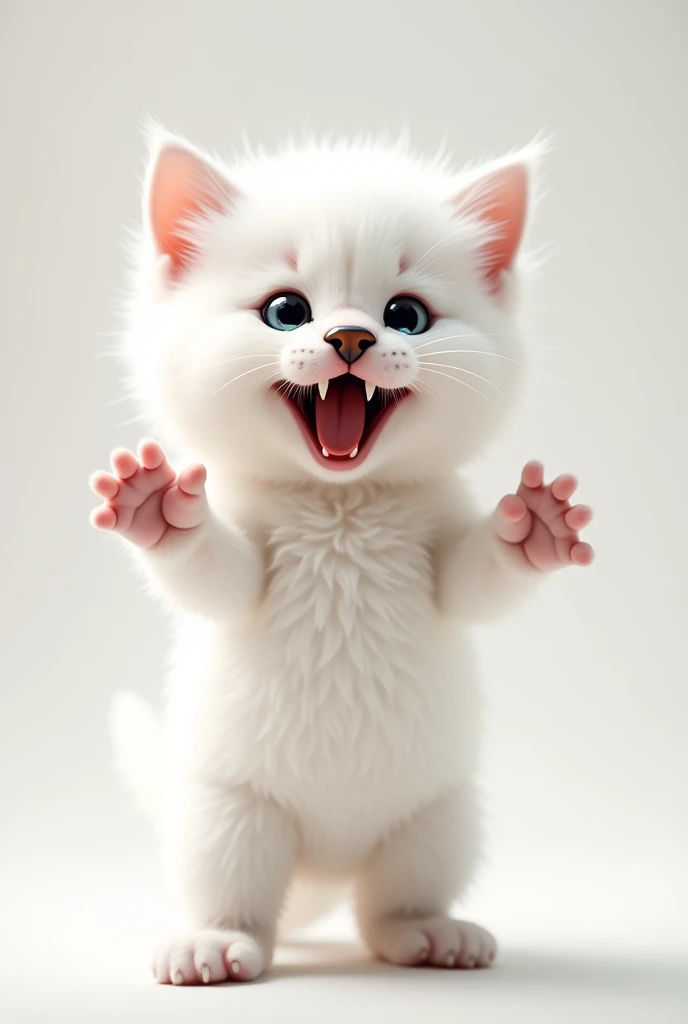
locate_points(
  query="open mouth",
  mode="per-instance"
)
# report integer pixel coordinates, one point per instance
(341, 418)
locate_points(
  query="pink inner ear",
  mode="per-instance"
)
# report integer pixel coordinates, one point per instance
(184, 187)
(500, 199)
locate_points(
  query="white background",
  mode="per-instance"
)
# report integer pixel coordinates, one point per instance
(585, 759)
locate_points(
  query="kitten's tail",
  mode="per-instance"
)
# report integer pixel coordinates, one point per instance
(137, 741)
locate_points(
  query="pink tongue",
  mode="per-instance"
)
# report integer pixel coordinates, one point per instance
(340, 418)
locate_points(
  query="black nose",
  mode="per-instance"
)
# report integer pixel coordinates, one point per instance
(350, 342)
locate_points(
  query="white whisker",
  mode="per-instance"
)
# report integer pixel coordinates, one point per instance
(292, 389)
(462, 369)
(249, 355)
(263, 366)
(496, 355)
(471, 351)
(456, 337)
(426, 369)
(284, 384)
(422, 386)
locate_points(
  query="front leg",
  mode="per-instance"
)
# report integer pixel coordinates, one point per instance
(404, 893)
(188, 555)
(229, 855)
(495, 564)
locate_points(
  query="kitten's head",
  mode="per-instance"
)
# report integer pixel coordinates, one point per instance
(334, 311)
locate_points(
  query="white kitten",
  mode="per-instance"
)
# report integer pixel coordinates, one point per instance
(330, 333)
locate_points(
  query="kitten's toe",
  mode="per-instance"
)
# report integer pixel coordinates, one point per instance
(244, 958)
(209, 962)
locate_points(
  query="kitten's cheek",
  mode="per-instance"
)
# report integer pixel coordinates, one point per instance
(387, 375)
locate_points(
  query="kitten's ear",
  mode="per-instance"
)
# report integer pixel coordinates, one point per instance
(182, 188)
(498, 201)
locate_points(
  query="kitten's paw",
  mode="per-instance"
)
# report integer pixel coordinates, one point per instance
(437, 941)
(543, 523)
(209, 956)
(144, 499)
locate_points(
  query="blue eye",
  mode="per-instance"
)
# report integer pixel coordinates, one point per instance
(407, 315)
(286, 312)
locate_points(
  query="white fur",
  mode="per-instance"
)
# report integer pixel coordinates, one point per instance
(322, 712)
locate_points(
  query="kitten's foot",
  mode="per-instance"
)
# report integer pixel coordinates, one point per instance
(144, 498)
(209, 956)
(540, 521)
(437, 941)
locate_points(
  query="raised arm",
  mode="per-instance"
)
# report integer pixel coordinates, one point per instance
(485, 567)
(188, 555)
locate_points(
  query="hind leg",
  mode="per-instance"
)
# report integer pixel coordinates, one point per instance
(405, 891)
(229, 855)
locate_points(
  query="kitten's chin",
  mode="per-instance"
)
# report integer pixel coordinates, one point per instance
(341, 427)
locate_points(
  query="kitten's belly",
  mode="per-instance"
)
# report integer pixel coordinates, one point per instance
(350, 749)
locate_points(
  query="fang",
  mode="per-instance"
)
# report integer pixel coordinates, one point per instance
(370, 390)
(353, 454)
(322, 388)
(326, 453)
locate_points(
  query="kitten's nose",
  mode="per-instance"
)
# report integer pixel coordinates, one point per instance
(350, 342)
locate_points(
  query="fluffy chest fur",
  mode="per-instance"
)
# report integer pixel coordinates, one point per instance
(342, 696)
(349, 588)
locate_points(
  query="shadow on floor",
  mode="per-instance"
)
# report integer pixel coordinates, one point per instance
(515, 969)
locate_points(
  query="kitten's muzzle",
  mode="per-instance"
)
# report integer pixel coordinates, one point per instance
(350, 342)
